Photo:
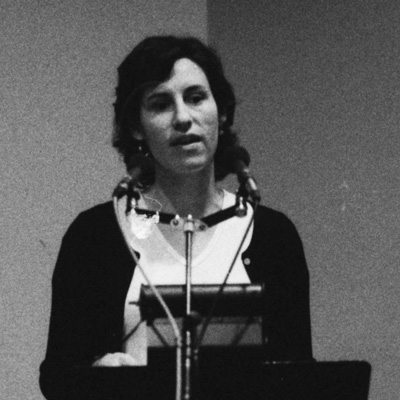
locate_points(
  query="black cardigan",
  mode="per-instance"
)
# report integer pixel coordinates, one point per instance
(94, 271)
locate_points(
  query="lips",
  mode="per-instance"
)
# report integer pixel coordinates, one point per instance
(185, 140)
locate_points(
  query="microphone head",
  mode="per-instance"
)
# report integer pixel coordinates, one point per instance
(234, 156)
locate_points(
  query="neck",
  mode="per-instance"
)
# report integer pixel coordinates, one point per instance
(195, 194)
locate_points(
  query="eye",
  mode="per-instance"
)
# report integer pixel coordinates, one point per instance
(196, 97)
(157, 103)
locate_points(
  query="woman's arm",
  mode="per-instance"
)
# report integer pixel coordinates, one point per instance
(91, 277)
(278, 260)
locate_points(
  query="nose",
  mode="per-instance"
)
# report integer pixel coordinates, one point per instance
(182, 118)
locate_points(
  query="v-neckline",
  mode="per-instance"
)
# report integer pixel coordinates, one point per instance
(206, 250)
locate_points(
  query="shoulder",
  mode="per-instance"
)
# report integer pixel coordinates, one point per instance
(268, 221)
(101, 215)
(99, 211)
(92, 243)
(264, 212)
(275, 236)
(275, 246)
(96, 224)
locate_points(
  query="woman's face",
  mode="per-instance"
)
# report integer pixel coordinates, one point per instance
(179, 121)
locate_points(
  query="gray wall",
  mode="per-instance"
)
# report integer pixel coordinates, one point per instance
(319, 90)
(57, 78)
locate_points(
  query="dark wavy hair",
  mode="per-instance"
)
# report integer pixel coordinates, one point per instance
(149, 64)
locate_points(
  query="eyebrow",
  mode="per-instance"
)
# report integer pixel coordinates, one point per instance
(154, 96)
(165, 93)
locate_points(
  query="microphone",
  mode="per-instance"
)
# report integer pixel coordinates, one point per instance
(138, 166)
(237, 159)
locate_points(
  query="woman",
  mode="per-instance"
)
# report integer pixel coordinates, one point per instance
(174, 107)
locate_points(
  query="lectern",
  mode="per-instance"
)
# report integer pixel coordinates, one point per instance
(230, 361)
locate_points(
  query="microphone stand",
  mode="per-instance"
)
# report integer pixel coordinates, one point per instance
(187, 329)
(190, 321)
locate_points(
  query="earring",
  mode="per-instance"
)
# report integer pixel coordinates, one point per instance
(221, 128)
(143, 149)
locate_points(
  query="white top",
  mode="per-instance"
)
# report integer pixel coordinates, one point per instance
(164, 266)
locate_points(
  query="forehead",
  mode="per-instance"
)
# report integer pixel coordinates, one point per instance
(185, 73)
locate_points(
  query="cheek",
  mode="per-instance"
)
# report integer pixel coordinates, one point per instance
(212, 128)
(155, 141)
(154, 129)
(211, 117)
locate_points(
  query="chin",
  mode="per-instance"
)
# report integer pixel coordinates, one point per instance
(193, 167)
